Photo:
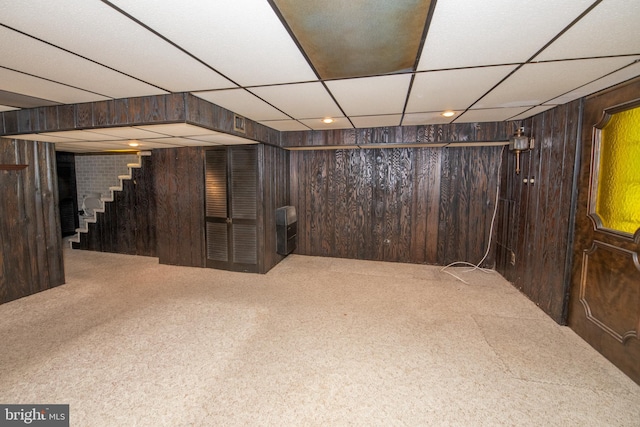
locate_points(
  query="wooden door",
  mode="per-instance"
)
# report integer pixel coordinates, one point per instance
(231, 208)
(605, 289)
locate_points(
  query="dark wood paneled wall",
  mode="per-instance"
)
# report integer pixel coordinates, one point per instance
(118, 112)
(155, 109)
(30, 241)
(420, 205)
(179, 183)
(534, 221)
(422, 134)
(273, 192)
(160, 212)
(128, 224)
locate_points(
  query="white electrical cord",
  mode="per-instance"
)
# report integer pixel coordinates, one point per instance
(493, 218)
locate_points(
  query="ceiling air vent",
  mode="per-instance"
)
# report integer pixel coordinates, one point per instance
(238, 123)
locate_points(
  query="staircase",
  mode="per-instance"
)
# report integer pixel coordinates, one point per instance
(84, 228)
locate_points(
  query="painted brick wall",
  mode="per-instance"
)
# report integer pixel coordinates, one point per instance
(96, 173)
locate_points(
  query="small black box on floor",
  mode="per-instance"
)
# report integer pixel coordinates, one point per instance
(286, 229)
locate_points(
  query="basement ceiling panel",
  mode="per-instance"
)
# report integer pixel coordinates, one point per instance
(492, 114)
(288, 64)
(242, 39)
(371, 95)
(93, 30)
(63, 67)
(453, 89)
(412, 119)
(285, 125)
(537, 83)
(244, 103)
(462, 31)
(376, 121)
(26, 84)
(614, 78)
(300, 101)
(612, 28)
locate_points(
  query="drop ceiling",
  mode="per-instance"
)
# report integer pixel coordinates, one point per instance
(289, 64)
(137, 138)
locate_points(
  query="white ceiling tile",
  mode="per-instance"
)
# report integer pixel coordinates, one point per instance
(611, 28)
(60, 66)
(453, 89)
(226, 139)
(434, 118)
(177, 129)
(537, 83)
(212, 137)
(300, 101)
(7, 108)
(76, 148)
(24, 84)
(223, 138)
(466, 33)
(243, 39)
(490, 115)
(96, 145)
(79, 135)
(148, 136)
(318, 124)
(190, 142)
(99, 32)
(172, 140)
(532, 112)
(125, 132)
(172, 143)
(244, 103)
(600, 84)
(376, 121)
(40, 137)
(285, 125)
(371, 95)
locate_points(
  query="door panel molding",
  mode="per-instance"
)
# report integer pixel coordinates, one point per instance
(610, 290)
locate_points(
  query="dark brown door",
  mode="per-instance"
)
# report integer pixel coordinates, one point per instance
(605, 289)
(231, 207)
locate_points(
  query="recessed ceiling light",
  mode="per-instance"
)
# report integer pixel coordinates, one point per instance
(133, 144)
(327, 120)
(449, 113)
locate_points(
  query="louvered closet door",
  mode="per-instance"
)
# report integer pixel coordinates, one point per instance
(231, 231)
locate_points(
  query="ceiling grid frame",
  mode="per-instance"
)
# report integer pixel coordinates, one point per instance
(191, 32)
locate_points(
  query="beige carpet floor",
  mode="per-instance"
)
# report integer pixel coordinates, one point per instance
(315, 342)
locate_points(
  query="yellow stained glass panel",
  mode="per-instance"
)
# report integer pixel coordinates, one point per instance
(618, 197)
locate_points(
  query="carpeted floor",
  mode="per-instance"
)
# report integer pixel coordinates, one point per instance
(315, 342)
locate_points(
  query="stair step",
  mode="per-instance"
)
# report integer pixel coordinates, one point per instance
(104, 199)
